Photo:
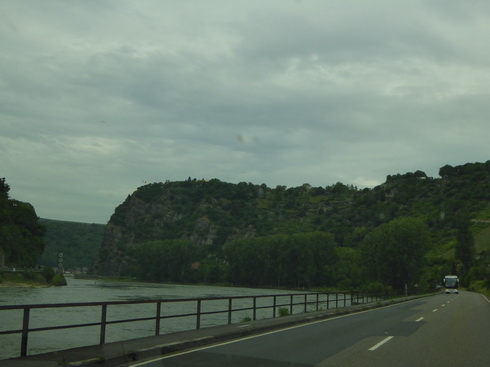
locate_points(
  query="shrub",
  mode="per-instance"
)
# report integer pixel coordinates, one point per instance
(58, 279)
(48, 273)
(283, 311)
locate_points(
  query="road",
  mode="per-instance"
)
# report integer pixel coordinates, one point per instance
(444, 330)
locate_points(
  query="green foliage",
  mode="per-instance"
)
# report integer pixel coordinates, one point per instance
(58, 280)
(165, 261)
(298, 260)
(393, 253)
(465, 246)
(255, 235)
(33, 278)
(283, 311)
(78, 242)
(21, 235)
(48, 273)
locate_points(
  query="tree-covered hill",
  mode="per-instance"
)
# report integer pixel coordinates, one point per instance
(78, 242)
(212, 217)
(21, 234)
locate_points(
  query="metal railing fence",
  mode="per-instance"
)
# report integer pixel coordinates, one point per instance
(279, 304)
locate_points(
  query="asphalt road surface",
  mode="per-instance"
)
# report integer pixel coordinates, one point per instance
(444, 330)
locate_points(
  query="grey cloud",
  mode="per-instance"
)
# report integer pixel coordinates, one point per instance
(98, 97)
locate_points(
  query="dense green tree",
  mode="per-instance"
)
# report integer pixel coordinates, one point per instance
(21, 234)
(165, 261)
(465, 246)
(297, 260)
(393, 253)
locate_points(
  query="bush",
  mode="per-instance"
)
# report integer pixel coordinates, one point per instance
(283, 311)
(33, 276)
(48, 273)
(59, 280)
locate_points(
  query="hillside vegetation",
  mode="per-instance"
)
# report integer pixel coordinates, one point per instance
(78, 242)
(336, 236)
(21, 234)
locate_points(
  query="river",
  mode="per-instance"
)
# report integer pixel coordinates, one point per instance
(79, 290)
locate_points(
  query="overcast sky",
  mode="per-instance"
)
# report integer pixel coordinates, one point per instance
(98, 97)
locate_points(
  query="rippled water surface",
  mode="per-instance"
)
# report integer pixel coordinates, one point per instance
(79, 290)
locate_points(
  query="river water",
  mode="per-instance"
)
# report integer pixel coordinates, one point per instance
(79, 290)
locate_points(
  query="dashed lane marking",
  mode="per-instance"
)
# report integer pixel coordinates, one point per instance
(420, 319)
(374, 347)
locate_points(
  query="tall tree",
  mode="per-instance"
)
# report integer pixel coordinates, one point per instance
(393, 253)
(465, 244)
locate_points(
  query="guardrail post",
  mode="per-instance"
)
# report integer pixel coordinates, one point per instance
(25, 332)
(198, 314)
(157, 323)
(255, 308)
(345, 296)
(306, 302)
(337, 300)
(328, 302)
(103, 320)
(317, 297)
(230, 300)
(291, 304)
(274, 307)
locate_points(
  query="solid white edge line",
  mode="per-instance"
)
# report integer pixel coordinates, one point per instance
(374, 347)
(486, 298)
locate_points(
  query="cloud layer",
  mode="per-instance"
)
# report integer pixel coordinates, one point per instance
(98, 97)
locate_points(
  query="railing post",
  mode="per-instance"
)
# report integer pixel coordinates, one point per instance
(291, 304)
(25, 332)
(328, 301)
(306, 302)
(317, 297)
(345, 296)
(157, 323)
(255, 308)
(337, 300)
(274, 303)
(103, 320)
(198, 314)
(230, 301)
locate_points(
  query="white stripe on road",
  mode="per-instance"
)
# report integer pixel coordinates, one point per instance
(419, 319)
(435, 310)
(380, 343)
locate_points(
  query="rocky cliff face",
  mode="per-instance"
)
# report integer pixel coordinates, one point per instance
(199, 211)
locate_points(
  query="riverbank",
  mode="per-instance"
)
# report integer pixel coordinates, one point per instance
(31, 280)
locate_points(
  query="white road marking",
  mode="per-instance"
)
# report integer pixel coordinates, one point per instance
(374, 347)
(442, 305)
(418, 320)
(137, 364)
(435, 310)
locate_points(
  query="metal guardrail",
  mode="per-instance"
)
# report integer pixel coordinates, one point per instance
(276, 302)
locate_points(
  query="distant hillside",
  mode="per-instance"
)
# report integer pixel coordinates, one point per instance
(212, 213)
(79, 243)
